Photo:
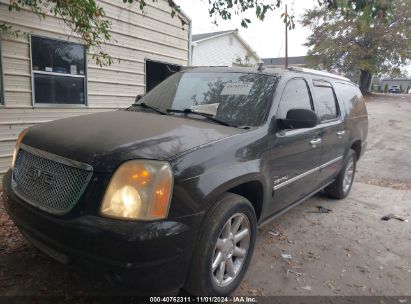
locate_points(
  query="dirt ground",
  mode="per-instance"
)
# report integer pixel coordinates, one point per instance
(349, 251)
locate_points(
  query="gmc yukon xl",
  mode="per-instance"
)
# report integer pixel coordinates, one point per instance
(168, 193)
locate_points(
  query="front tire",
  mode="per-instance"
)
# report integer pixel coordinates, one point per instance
(341, 187)
(224, 249)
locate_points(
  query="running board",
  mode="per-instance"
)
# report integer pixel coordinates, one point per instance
(282, 211)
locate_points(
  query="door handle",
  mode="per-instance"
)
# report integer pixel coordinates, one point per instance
(315, 142)
(340, 134)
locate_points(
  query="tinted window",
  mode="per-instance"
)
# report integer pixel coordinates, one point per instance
(352, 98)
(58, 71)
(325, 103)
(295, 96)
(241, 99)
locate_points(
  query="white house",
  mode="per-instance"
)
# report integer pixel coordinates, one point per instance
(225, 48)
(48, 74)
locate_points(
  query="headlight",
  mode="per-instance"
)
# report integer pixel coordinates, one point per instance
(139, 190)
(17, 146)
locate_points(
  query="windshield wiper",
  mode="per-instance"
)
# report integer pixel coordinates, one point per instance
(190, 111)
(146, 106)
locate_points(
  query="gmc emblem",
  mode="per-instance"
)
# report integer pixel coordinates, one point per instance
(42, 177)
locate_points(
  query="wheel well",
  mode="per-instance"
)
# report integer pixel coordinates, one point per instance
(254, 192)
(356, 146)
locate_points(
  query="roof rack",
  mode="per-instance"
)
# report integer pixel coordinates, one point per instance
(189, 67)
(319, 73)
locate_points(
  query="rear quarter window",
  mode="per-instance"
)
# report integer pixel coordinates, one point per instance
(351, 98)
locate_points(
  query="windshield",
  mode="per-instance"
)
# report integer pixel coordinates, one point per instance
(238, 99)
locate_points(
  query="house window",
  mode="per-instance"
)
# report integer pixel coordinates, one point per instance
(59, 71)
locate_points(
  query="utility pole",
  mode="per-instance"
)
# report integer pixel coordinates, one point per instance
(286, 38)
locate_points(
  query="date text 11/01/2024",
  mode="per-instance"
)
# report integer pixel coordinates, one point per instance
(188, 299)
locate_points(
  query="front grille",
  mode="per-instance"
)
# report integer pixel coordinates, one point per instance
(49, 184)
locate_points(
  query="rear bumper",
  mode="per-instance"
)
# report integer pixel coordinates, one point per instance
(152, 257)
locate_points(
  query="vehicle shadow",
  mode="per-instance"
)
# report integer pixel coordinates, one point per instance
(26, 271)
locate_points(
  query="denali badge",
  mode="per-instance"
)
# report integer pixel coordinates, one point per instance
(41, 177)
(282, 179)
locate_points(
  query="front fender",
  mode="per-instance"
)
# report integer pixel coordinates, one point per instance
(198, 193)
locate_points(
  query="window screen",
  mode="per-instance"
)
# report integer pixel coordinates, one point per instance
(59, 89)
(325, 103)
(295, 96)
(59, 74)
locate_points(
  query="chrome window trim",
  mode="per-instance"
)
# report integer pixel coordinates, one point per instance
(298, 177)
(56, 158)
(290, 132)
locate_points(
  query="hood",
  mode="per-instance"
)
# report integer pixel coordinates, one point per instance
(104, 140)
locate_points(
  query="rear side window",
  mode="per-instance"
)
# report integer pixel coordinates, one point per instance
(295, 96)
(326, 105)
(352, 98)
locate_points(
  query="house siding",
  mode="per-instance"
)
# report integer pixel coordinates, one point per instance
(218, 52)
(135, 38)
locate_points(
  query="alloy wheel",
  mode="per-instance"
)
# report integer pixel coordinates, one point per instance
(231, 250)
(348, 176)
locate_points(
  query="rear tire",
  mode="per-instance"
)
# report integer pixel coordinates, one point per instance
(341, 187)
(224, 248)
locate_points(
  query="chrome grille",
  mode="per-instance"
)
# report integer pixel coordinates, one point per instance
(49, 184)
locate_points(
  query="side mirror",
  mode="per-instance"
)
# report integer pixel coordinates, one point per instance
(138, 97)
(299, 119)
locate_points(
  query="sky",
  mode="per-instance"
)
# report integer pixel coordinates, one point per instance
(266, 37)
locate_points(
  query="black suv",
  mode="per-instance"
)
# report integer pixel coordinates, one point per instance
(168, 193)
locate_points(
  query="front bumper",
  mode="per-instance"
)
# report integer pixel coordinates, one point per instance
(149, 256)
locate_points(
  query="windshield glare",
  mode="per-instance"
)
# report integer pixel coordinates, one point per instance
(240, 99)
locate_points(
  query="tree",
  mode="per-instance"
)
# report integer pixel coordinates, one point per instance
(386, 88)
(397, 73)
(88, 19)
(364, 41)
(244, 61)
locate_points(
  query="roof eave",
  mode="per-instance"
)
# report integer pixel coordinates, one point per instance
(250, 49)
(212, 37)
(180, 11)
